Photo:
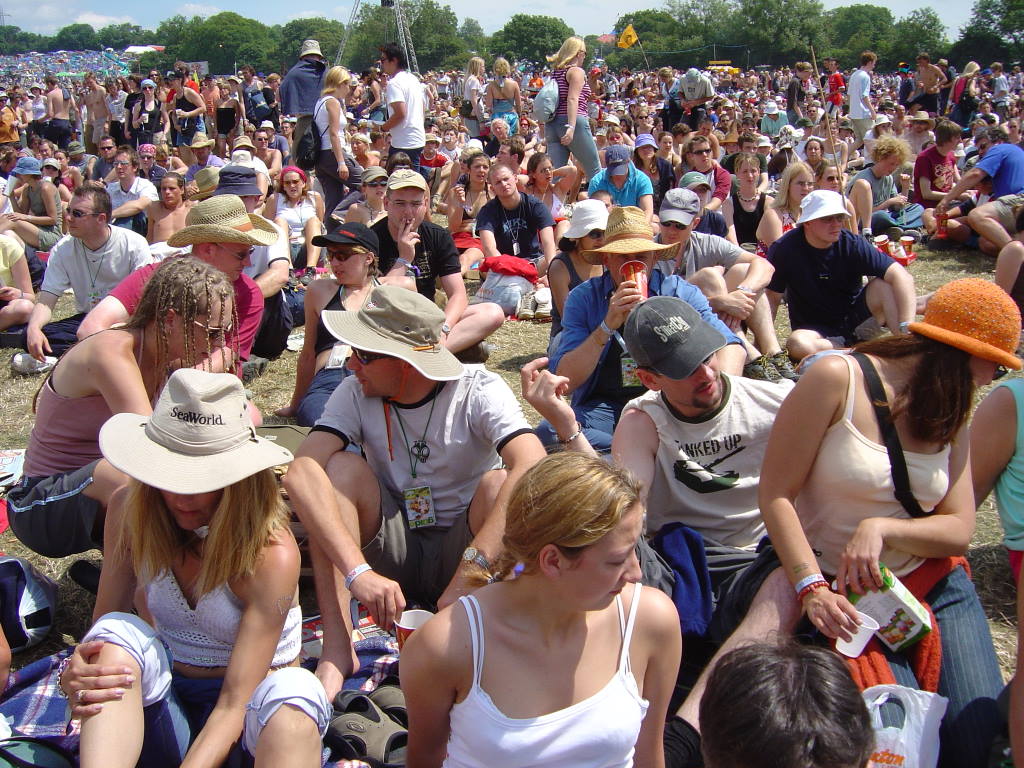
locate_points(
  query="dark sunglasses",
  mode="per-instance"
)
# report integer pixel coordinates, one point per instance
(365, 358)
(381, 183)
(595, 233)
(701, 151)
(675, 225)
(79, 214)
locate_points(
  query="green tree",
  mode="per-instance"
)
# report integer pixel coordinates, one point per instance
(15, 40)
(857, 28)
(659, 33)
(120, 36)
(435, 30)
(327, 32)
(75, 37)
(999, 19)
(977, 44)
(228, 39)
(473, 35)
(374, 26)
(530, 37)
(920, 30)
(781, 31)
(711, 21)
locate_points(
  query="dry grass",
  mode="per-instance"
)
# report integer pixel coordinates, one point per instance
(515, 344)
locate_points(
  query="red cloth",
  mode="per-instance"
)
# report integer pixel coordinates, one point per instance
(872, 668)
(248, 305)
(465, 240)
(3, 515)
(940, 172)
(437, 161)
(835, 82)
(509, 265)
(723, 182)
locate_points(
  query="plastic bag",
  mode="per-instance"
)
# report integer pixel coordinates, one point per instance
(504, 290)
(916, 743)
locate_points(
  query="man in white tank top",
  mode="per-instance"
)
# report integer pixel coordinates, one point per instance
(696, 441)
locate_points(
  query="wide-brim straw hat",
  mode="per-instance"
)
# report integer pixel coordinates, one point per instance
(200, 140)
(206, 180)
(400, 323)
(198, 439)
(976, 316)
(922, 117)
(629, 232)
(223, 219)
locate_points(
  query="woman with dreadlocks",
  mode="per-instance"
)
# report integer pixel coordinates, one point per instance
(59, 506)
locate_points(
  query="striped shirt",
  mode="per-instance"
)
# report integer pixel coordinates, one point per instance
(563, 92)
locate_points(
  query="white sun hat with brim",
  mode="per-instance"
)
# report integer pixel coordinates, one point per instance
(400, 323)
(821, 203)
(198, 439)
(223, 219)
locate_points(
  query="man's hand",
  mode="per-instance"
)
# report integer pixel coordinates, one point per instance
(897, 201)
(408, 238)
(738, 304)
(10, 293)
(37, 344)
(546, 392)
(622, 302)
(382, 597)
(342, 171)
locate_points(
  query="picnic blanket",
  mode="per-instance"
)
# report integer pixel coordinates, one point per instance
(34, 706)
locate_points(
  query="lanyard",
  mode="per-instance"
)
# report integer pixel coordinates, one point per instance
(419, 451)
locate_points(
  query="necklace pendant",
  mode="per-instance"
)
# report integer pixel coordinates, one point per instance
(421, 450)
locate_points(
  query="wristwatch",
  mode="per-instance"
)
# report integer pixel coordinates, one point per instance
(474, 555)
(446, 329)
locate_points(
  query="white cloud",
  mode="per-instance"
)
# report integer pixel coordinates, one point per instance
(304, 15)
(198, 9)
(98, 20)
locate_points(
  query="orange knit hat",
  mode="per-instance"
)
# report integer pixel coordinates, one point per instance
(976, 316)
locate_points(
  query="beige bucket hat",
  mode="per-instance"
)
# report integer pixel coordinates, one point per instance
(198, 439)
(200, 140)
(400, 323)
(206, 180)
(223, 219)
(629, 232)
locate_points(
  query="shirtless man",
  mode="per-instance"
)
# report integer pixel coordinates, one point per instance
(58, 113)
(167, 215)
(927, 81)
(97, 113)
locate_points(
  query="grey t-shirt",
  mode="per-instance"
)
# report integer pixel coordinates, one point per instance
(702, 251)
(92, 274)
(882, 189)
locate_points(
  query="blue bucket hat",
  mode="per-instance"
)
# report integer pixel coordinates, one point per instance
(27, 166)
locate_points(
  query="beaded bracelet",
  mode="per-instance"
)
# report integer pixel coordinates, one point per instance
(810, 588)
(60, 674)
(573, 436)
(811, 579)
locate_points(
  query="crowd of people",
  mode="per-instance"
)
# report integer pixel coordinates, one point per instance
(698, 473)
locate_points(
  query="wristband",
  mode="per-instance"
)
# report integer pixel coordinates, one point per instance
(60, 673)
(573, 436)
(807, 581)
(355, 573)
(604, 327)
(811, 588)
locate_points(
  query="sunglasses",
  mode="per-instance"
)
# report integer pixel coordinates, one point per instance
(122, 162)
(240, 256)
(999, 372)
(381, 183)
(595, 233)
(107, 149)
(79, 214)
(675, 225)
(701, 151)
(147, 157)
(365, 358)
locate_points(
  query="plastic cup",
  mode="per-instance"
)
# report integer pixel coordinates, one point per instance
(412, 620)
(908, 244)
(864, 633)
(636, 271)
(882, 244)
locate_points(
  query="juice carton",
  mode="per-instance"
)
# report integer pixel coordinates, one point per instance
(902, 620)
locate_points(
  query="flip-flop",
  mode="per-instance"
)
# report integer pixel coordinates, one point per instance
(389, 697)
(361, 731)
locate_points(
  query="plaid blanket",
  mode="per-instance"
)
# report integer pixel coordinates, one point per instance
(34, 706)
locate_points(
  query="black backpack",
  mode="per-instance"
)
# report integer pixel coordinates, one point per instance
(307, 149)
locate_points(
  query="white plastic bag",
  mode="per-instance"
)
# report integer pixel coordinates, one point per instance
(503, 290)
(916, 743)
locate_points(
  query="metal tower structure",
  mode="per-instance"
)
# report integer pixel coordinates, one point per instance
(401, 26)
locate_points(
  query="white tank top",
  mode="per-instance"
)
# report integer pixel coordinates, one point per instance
(323, 122)
(598, 732)
(296, 216)
(204, 636)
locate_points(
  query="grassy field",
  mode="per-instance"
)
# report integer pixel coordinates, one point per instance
(515, 344)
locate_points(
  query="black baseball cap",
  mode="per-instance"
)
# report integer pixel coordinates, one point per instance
(669, 336)
(350, 234)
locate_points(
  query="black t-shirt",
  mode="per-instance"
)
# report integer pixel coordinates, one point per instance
(729, 163)
(795, 93)
(522, 224)
(435, 254)
(822, 286)
(712, 223)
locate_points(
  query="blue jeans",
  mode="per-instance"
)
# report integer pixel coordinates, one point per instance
(320, 390)
(582, 145)
(909, 217)
(597, 419)
(969, 676)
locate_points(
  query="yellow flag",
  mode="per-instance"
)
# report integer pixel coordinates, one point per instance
(628, 38)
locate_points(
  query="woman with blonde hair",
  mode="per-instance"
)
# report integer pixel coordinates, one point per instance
(782, 214)
(472, 109)
(58, 507)
(569, 130)
(502, 97)
(206, 672)
(333, 164)
(571, 663)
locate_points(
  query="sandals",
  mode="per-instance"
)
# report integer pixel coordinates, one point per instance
(389, 697)
(361, 730)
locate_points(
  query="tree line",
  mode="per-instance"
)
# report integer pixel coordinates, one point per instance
(683, 32)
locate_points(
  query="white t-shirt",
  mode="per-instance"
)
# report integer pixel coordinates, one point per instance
(140, 188)
(92, 274)
(405, 87)
(707, 470)
(464, 427)
(264, 255)
(859, 88)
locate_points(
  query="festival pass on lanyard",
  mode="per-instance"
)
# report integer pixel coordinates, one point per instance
(419, 503)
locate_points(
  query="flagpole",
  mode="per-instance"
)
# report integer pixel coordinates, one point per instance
(647, 64)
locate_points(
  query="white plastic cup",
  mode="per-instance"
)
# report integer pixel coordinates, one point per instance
(855, 646)
(413, 619)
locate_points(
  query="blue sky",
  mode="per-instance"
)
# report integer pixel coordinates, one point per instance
(586, 16)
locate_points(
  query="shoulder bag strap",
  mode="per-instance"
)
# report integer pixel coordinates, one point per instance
(897, 462)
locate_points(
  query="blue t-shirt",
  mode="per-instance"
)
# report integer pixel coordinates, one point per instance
(637, 185)
(712, 223)
(822, 286)
(1004, 163)
(522, 224)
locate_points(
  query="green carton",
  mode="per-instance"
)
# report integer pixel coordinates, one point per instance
(902, 620)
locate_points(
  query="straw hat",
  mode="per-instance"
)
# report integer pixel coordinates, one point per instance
(400, 323)
(629, 232)
(198, 439)
(976, 316)
(200, 140)
(922, 117)
(206, 180)
(223, 219)
(243, 141)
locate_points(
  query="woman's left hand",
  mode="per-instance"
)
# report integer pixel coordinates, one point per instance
(858, 566)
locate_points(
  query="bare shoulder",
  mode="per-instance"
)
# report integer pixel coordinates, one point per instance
(657, 616)
(442, 645)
